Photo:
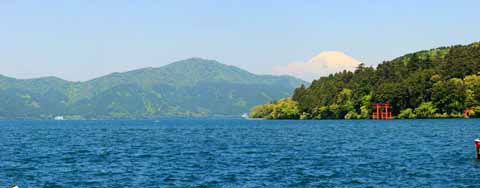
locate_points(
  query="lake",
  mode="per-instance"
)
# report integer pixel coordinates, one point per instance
(239, 153)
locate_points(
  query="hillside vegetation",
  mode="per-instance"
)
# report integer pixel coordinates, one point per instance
(192, 87)
(437, 83)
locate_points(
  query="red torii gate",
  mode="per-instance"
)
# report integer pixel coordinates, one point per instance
(381, 111)
(467, 112)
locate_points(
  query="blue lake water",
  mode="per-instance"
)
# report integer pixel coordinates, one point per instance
(239, 153)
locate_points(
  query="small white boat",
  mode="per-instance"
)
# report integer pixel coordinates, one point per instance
(59, 118)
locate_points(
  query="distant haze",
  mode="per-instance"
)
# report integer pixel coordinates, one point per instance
(81, 39)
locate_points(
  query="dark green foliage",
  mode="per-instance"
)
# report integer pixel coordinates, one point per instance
(450, 95)
(461, 61)
(192, 87)
(438, 83)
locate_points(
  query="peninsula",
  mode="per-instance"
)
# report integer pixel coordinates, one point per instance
(437, 83)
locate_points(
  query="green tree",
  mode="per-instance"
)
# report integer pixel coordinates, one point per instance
(365, 108)
(352, 115)
(281, 109)
(472, 85)
(425, 110)
(461, 61)
(345, 103)
(262, 111)
(450, 96)
(407, 114)
(286, 109)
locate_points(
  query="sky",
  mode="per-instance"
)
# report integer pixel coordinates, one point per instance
(78, 40)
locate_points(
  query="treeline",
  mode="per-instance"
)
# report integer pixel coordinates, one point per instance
(438, 83)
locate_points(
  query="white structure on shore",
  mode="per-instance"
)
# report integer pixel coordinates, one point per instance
(58, 118)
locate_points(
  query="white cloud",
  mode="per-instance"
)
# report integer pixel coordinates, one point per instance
(323, 64)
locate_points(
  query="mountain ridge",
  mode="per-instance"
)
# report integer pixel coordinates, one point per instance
(143, 69)
(182, 88)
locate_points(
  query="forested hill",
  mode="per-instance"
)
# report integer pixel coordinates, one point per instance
(192, 87)
(436, 83)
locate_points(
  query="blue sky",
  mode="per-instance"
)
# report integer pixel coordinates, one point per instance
(80, 40)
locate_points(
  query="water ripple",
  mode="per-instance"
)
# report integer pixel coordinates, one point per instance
(239, 153)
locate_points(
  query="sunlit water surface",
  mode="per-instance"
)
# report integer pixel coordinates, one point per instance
(239, 153)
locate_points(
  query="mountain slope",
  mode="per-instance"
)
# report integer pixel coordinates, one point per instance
(436, 83)
(192, 87)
